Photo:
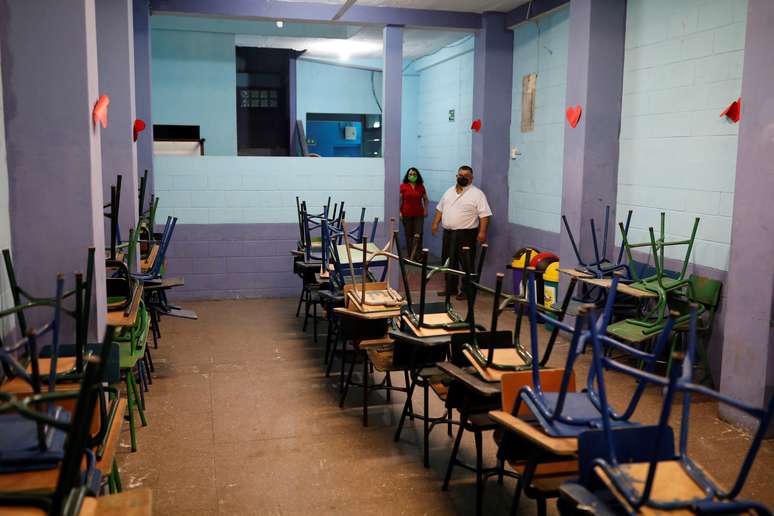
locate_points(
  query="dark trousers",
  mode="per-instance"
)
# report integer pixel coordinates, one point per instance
(412, 227)
(453, 242)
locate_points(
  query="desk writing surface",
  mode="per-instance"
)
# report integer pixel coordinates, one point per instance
(574, 273)
(113, 439)
(122, 318)
(132, 502)
(606, 283)
(441, 318)
(357, 254)
(503, 356)
(557, 445)
(346, 312)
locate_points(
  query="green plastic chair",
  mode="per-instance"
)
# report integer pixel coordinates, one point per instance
(659, 283)
(706, 293)
(131, 346)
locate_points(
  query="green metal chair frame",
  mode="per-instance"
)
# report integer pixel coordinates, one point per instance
(705, 292)
(659, 283)
(132, 344)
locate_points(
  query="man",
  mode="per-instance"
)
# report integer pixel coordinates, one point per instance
(464, 213)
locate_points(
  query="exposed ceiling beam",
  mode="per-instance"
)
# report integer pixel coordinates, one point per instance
(531, 10)
(344, 9)
(316, 12)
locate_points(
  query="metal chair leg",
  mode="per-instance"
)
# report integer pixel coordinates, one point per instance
(130, 401)
(365, 388)
(455, 450)
(330, 357)
(408, 400)
(300, 300)
(347, 381)
(426, 423)
(306, 310)
(314, 321)
(140, 410)
(388, 382)
(149, 358)
(479, 473)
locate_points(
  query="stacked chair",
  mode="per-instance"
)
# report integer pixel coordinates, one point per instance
(556, 433)
(61, 406)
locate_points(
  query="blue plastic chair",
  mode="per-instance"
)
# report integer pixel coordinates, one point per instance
(25, 444)
(568, 414)
(636, 491)
(166, 238)
(601, 266)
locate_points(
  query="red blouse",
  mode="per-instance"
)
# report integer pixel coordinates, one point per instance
(412, 200)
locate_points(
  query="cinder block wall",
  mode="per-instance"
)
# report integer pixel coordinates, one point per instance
(683, 66)
(535, 176)
(6, 299)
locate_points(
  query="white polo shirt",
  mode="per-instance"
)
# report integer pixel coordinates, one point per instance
(463, 210)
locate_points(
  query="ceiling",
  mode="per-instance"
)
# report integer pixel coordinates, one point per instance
(475, 6)
(366, 43)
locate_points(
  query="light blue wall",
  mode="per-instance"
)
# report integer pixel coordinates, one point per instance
(261, 190)
(6, 300)
(535, 176)
(327, 88)
(445, 82)
(194, 83)
(683, 66)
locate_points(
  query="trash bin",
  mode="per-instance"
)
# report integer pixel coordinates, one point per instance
(551, 285)
(541, 262)
(520, 260)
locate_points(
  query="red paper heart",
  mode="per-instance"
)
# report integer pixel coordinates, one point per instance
(476, 125)
(733, 111)
(137, 128)
(573, 115)
(99, 114)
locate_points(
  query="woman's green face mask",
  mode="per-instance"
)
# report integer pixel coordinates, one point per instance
(412, 178)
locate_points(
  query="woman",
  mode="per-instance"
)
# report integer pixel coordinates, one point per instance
(413, 210)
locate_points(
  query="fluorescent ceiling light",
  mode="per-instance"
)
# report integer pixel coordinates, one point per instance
(344, 48)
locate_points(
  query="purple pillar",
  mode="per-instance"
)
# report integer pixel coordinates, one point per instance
(747, 372)
(142, 89)
(594, 81)
(493, 71)
(54, 156)
(292, 104)
(115, 46)
(392, 90)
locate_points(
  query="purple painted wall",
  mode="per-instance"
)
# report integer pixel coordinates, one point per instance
(54, 159)
(142, 89)
(594, 81)
(525, 236)
(115, 45)
(392, 88)
(493, 65)
(230, 261)
(748, 359)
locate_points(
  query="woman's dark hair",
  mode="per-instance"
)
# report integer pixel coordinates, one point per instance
(419, 180)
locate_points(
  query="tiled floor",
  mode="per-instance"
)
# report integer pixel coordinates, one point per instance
(243, 421)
